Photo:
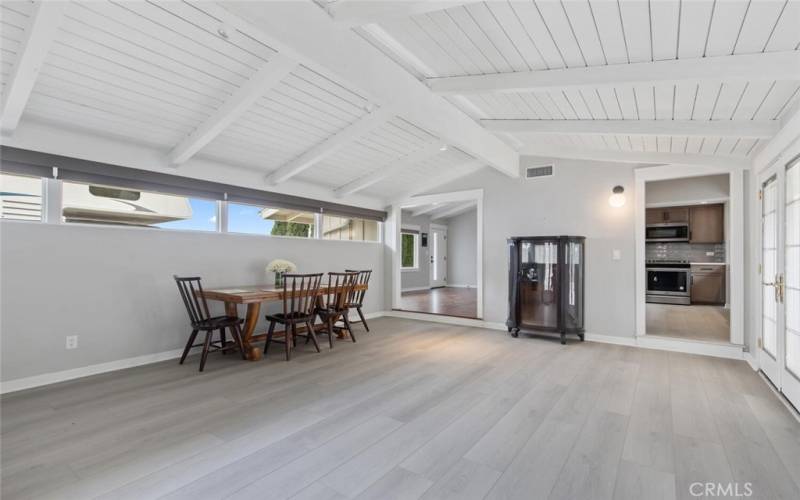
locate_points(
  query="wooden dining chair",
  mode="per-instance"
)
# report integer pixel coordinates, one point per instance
(299, 308)
(334, 303)
(356, 299)
(191, 291)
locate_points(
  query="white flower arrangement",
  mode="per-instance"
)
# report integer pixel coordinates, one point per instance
(281, 266)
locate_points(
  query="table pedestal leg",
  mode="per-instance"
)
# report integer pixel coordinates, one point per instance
(252, 352)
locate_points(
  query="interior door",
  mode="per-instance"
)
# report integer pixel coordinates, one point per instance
(779, 353)
(438, 257)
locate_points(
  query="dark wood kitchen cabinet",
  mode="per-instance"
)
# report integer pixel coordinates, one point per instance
(546, 282)
(667, 215)
(707, 284)
(707, 224)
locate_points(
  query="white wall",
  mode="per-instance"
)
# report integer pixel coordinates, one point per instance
(574, 202)
(462, 234)
(113, 287)
(419, 278)
(688, 190)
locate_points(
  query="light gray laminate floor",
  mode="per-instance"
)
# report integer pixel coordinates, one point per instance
(413, 410)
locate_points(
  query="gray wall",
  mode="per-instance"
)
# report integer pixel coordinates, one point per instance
(113, 287)
(420, 278)
(574, 201)
(462, 250)
(688, 190)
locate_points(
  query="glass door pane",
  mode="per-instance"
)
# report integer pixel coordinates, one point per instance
(538, 284)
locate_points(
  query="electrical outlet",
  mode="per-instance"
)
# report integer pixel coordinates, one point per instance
(72, 341)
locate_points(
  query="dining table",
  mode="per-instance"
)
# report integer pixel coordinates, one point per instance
(252, 296)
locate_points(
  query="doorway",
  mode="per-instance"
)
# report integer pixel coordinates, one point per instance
(438, 268)
(779, 344)
(437, 251)
(664, 286)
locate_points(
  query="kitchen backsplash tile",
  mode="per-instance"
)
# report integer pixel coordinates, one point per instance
(693, 252)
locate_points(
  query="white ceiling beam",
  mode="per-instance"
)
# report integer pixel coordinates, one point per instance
(34, 48)
(360, 12)
(704, 128)
(449, 212)
(330, 145)
(767, 66)
(426, 209)
(269, 75)
(442, 179)
(306, 33)
(388, 170)
(656, 158)
(788, 135)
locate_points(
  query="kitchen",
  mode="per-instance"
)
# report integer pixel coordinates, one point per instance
(686, 258)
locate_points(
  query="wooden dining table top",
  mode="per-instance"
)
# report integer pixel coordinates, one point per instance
(251, 294)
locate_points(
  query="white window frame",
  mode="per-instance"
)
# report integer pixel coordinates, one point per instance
(415, 267)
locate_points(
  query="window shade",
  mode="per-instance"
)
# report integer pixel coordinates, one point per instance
(26, 162)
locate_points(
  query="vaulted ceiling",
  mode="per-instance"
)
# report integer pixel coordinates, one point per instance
(387, 99)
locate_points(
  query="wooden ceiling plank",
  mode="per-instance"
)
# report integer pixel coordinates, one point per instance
(360, 12)
(717, 128)
(641, 157)
(39, 36)
(330, 145)
(387, 171)
(758, 24)
(270, 74)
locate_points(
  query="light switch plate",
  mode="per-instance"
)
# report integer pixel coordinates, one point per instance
(616, 255)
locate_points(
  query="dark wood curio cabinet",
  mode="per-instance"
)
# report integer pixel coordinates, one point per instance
(546, 284)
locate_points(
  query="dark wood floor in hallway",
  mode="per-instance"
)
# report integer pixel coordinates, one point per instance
(448, 301)
(412, 410)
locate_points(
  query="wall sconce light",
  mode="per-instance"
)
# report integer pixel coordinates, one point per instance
(617, 199)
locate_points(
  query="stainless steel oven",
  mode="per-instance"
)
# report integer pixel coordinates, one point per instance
(668, 231)
(668, 283)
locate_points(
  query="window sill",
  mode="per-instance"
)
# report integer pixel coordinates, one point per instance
(409, 269)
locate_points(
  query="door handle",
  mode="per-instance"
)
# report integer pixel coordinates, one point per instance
(779, 287)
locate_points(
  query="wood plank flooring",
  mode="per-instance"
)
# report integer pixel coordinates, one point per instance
(447, 301)
(413, 410)
(695, 322)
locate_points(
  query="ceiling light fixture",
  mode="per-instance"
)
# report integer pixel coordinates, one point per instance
(617, 199)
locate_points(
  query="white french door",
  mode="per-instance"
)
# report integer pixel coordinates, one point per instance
(438, 256)
(779, 352)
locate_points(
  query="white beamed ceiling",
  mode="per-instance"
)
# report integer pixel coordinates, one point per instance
(153, 72)
(496, 37)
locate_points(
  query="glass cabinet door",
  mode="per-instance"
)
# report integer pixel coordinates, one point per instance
(573, 281)
(538, 287)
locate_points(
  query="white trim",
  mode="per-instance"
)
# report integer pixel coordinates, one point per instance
(740, 67)
(704, 201)
(21, 384)
(717, 350)
(415, 288)
(751, 360)
(459, 285)
(735, 238)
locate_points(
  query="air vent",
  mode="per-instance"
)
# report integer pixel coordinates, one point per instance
(538, 171)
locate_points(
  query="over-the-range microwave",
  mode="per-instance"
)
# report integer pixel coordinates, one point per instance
(667, 231)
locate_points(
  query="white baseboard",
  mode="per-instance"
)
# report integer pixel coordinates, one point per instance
(611, 339)
(460, 286)
(21, 384)
(415, 289)
(729, 351)
(85, 371)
